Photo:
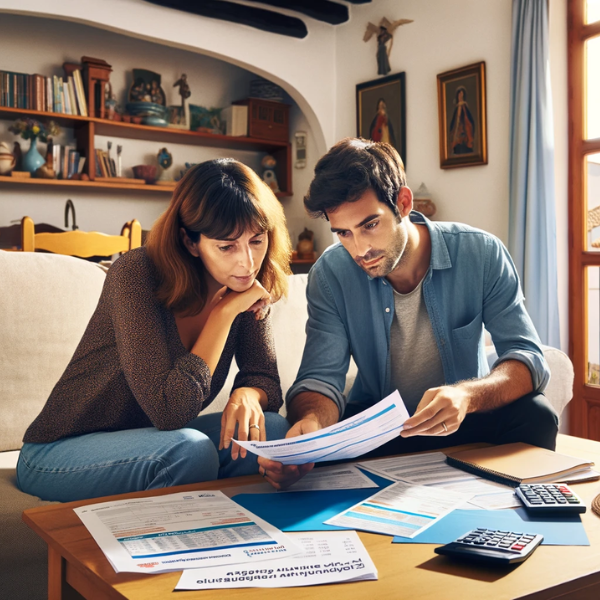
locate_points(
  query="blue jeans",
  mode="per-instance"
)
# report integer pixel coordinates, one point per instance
(117, 462)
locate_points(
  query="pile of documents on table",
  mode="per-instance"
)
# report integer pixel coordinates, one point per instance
(221, 542)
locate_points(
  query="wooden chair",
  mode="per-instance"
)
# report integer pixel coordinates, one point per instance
(81, 243)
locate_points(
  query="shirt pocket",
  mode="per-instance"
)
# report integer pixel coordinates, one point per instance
(466, 349)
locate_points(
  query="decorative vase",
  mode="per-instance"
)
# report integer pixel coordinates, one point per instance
(33, 160)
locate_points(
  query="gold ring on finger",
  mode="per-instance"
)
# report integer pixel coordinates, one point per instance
(444, 426)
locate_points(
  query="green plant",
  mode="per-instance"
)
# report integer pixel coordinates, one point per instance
(30, 129)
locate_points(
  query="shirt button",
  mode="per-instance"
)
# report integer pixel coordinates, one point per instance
(387, 310)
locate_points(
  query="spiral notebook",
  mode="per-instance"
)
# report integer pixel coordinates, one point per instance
(513, 464)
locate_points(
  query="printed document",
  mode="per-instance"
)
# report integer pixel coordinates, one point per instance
(181, 531)
(422, 469)
(347, 439)
(337, 477)
(401, 509)
(328, 557)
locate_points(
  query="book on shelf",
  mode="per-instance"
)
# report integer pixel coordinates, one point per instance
(80, 93)
(49, 95)
(66, 97)
(73, 100)
(513, 464)
(236, 120)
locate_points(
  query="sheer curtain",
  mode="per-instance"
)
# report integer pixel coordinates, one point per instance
(532, 215)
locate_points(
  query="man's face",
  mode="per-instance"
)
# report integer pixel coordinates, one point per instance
(374, 237)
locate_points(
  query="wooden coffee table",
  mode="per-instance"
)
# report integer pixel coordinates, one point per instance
(405, 570)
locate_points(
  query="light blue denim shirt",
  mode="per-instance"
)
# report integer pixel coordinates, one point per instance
(471, 282)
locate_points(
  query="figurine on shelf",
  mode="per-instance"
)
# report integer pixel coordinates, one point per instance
(184, 89)
(46, 171)
(165, 160)
(268, 163)
(306, 245)
(7, 159)
(18, 154)
(119, 165)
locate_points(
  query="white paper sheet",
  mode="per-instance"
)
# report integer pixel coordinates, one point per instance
(423, 469)
(401, 509)
(181, 531)
(344, 440)
(328, 557)
(336, 477)
(496, 501)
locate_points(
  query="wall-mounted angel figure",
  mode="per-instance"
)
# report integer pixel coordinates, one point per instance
(384, 33)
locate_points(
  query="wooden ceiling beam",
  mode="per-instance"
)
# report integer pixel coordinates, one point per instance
(258, 18)
(322, 10)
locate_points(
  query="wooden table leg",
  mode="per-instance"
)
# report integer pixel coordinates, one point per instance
(56, 575)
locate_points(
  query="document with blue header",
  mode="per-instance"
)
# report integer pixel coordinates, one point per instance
(402, 509)
(347, 439)
(181, 531)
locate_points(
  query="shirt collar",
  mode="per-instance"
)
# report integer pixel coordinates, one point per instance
(440, 257)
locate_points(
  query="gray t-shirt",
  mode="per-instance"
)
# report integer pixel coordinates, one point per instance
(415, 359)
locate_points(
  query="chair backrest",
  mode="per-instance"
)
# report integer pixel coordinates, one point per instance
(81, 243)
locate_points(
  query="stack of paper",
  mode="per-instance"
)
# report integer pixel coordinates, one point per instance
(181, 531)
(331, 557)
(344, 440)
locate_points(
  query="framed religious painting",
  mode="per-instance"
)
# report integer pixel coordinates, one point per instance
(462, 112)
(381, 111)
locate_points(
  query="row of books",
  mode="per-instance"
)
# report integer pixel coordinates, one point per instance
(45, 94)
(105, 165)
(66, 161)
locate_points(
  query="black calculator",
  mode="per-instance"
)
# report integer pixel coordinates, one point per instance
(493, 546)
(550, 498)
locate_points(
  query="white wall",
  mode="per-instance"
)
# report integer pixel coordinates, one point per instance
(444, 36)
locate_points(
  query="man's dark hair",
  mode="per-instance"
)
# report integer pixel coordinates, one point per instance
(349, 169)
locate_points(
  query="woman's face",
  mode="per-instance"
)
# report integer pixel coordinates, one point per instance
(461, 95)
(234, 263)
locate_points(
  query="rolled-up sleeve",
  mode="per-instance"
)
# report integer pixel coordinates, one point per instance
(327, 351)
(506, 317)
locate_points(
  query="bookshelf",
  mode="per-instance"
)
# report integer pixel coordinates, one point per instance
(86, 128)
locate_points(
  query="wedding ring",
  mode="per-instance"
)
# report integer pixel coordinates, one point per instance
(444, 426)
(255, 427)
(264, 473)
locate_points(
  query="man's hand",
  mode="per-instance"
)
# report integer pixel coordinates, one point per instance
(282, 476)
(440, 412)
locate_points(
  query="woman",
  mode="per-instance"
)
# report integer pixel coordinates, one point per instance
(124, 415)
(462, 125)
(381, 129)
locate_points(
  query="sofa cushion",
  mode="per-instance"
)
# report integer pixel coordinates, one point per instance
(23, 555)
(46, 301)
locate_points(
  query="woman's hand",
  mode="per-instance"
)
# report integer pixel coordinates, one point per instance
(255, 299)
(244, 411)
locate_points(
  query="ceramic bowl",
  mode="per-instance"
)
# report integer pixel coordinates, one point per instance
(145, 172)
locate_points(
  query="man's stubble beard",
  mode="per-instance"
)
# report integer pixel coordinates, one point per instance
(394, 257)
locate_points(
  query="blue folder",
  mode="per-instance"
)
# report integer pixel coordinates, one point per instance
(307, 511)
(557, 530)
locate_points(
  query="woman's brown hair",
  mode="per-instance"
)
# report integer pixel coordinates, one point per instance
(220, 199)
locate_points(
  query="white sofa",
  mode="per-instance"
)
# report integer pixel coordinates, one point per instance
(45, 304)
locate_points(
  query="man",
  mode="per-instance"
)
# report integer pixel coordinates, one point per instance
(407, 298)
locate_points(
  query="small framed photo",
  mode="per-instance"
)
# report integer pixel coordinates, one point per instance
(381, 111)
(462, 111)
